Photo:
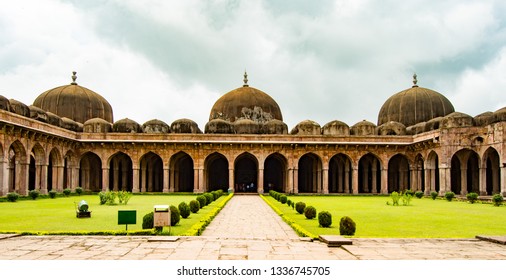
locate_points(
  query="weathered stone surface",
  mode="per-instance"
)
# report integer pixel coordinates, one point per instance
(307, 127)
(335, 240)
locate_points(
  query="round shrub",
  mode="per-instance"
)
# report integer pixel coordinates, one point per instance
(194, 206)
(174, 215)
(288, 202)
(202, 200)
(52, 193)
(184, 210)
(449, 196)
(497, 199)
(299, 207)
(347, 226)
(325, 219)
(433, 195)
(79, 190)
(419, 194)
(12, 197)
(283, 199)
(409, 192)
(472, 197)
(209, 198)
(148, 221)
(103, 198)
(33, 194)
(66, 192)
(310, 212)
(215, 195)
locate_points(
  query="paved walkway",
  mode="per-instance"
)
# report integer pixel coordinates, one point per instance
(246, 229)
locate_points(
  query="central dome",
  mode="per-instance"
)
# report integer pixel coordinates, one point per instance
(246, 103)
(414, 105)
(75, 102)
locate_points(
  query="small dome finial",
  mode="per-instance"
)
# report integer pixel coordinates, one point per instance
(74, 77)
(415, 80)
(245, 79)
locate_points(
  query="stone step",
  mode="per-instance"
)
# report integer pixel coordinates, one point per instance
(335, 240)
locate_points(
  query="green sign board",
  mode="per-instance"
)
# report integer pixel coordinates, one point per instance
(127, 217)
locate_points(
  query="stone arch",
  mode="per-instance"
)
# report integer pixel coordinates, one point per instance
(37, 169)
(465, 172)
(181, 172)
(432, 173)
(90, 172)
(17, 169)
(55, 170)
(340, 174)
(216, 172)
(492, 178)
(120, 172)
(398, 174)
(246, 173)
(310, 174)
(151, 177)
(369, 174)
(275, 173)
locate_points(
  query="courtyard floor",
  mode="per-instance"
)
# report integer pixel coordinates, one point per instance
(246, 229)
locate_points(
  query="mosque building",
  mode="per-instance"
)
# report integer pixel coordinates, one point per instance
(69, 138)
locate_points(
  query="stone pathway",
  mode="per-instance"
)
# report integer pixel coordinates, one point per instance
(246, 229)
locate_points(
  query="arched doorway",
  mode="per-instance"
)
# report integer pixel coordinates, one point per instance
(465, 172)
(120, 172)
(310, 174)
(217, 173)
(340, 174)
(493, 172)
(398, 174)
(18, 168)
(369, 174)
(151, 177)
(246, 173)
(275, 167)
(181, 172)
(418, 180)
(90, 172)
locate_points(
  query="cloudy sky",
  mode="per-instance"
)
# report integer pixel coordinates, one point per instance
(320, 60)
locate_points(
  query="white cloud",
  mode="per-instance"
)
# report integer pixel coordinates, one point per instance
(173, 59)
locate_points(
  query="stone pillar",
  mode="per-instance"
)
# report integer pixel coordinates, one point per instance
(115, 174)
(495, 180)
(196, 180)
(135, 179)
(201, 185)
(22, 178)
(165, 188)
(149, 182)
(260, 184)
(374, 179)
(384, 181)
(43, 178)
(338, 179)
(105, 179)
(325, 181)
(414, 179)
(75, 177)
(38, 171)
(347, 179)
(59, 177)
(428, 182)
(365, 179)
(354, 180)
(503, 180)
(463, 181)
(231, 183)
(291, 188)
(124, 178)
(483, 181)
(143, 180)
(295, 180)
(4, 181)
(444, 179)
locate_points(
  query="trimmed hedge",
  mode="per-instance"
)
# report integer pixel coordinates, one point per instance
(310, 212)
(184, 210)
(347, 226)
(299, 207)
(194, 206)
(325, 219)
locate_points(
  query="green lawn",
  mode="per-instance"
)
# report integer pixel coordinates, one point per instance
(424, 218)
(59, 214)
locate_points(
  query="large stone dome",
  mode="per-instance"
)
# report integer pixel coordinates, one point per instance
(246, 103)
(414, 105)
(75, 102)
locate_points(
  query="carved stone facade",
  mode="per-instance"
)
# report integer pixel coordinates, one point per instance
(454, 152)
